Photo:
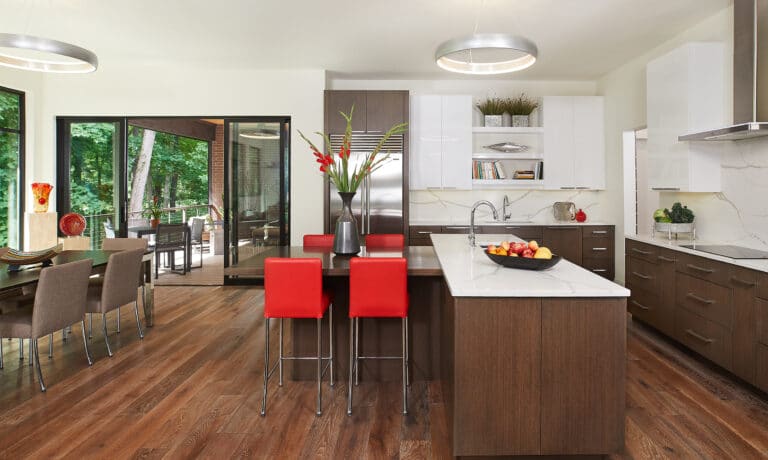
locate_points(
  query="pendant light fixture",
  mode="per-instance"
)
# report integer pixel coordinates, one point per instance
(27, 52)
(486, 54)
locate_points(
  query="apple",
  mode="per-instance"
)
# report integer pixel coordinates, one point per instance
(528, 253)
(491, 249)
(505, 245)
(533, 245)
(519, 248)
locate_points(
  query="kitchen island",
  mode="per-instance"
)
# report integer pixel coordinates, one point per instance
(532, 363)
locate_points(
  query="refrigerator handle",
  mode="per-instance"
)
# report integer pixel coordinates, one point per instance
(363, 204)
(368, 204)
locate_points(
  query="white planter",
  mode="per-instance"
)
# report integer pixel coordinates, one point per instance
(492, 121)
(520, 121)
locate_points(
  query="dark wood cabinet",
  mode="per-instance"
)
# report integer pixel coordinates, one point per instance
(525, 232)
(565, 241)
(743, 284)
(375, 111)
(419, 235)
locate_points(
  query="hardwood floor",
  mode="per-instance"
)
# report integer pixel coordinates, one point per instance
(192, 387)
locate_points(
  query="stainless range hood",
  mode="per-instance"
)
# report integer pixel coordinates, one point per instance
(750, 75)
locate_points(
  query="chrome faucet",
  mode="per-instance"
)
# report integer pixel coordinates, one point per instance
(504, 215)
(472, 218)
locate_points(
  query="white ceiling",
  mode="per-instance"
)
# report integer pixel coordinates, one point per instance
(577, 39)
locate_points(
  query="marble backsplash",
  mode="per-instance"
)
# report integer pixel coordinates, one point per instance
(525, 205)
(738, 214)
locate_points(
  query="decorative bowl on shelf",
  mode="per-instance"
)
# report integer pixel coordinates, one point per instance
(524, 263)
(15, 258)
(72, 224)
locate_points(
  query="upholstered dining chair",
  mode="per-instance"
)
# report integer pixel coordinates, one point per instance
(318, 241)
(379, 241)
(119, 244)
(59, 303)
(119, 288)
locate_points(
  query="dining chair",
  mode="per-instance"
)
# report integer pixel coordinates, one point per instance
(283, 300)
(59, 303)
(119, 288)
(119, 244)
(169, 239)
(319, 241)
(367, 299)
(196, 226)
(384, 241)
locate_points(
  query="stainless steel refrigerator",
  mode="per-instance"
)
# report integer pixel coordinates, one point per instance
(378, 204)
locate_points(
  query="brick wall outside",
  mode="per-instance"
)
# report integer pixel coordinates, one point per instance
(217, 169)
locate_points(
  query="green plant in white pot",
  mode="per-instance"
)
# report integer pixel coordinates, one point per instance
(520, 108)
(492, 110)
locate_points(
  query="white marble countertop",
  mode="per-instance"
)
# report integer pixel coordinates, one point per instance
(754, 264)
(470, 273)
(510, 223)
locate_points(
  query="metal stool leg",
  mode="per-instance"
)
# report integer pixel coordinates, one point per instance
(266, 367)
(407, 355)
(85, 343)
(330, 339)
(280, 354)
(319, 366)
(33, 344)
(138, 321)
(106, 338)
(351, 363)
(405, 366)
(357, 351)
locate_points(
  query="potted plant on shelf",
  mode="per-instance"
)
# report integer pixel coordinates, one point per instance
(153, 211)
(347, 178)
(492, 110)
(520, 108)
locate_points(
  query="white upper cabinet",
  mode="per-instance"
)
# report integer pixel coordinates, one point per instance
(574, 142)
(441, 142)
(685, 94)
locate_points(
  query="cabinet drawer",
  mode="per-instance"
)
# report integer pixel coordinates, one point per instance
(642, 251)
(762, 285)
(524, 232)
(598, 231)
(705, 337)
(761, 367)
(597, 248)
(711, 270)
(707, 299)
(645, 307)
(599, 266)
(455, 229)
(418, 235)
(762, 320)
(643, 275)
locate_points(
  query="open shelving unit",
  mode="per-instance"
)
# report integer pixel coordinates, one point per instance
(510, 162)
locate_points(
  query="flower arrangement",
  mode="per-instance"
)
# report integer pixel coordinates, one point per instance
(491, 106)
(346, 177)
(153, 210)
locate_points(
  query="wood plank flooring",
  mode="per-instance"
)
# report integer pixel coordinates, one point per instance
(192, 388)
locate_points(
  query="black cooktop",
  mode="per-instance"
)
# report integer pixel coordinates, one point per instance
(734, 252)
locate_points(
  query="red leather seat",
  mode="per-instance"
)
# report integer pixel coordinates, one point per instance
(318, 241)
(293, 288)
(385, 241)
(378, 288)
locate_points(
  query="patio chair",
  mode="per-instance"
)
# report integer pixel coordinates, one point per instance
(196, 225)
(169, 239)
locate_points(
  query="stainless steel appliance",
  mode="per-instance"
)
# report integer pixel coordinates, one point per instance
(725, 250)
(378, 204)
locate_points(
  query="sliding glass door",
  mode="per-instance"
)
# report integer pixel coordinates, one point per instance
(91, 169)
(256, 197)
(11, 167)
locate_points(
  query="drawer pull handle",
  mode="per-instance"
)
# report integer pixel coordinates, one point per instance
(599, 249)
(599, 270)
(457, 228)
(693, 296)
(666, 259)
(640, 251)
(511, 228)
(700, 269)
(599, 232)
(561, 227)
(640, 275)
(743, 282)
(420, 232)
(639, 305)
(698, 336)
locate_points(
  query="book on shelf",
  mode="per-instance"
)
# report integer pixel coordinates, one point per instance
(488, 170)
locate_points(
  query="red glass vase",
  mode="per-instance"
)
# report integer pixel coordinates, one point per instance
(581, 216)
(41, 191)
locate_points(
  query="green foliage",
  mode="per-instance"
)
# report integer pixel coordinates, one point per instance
(9, 110)
(491, 106)
(680, 214)
(91, 167)
(520, 105)
(9, 172)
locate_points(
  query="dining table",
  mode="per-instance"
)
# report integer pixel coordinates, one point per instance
(11, 281)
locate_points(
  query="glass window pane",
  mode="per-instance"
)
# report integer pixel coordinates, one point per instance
(9, 189)
(10, 110)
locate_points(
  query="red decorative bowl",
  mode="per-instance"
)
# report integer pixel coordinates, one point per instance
(72, 224)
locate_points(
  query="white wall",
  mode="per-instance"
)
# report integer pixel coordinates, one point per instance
(625, 93)
(169, 89)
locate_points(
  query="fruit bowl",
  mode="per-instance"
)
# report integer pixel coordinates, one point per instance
(524, 263)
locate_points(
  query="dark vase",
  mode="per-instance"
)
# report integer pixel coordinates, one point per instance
(346, 241)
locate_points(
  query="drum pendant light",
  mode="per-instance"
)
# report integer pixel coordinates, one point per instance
(486, 54)
(27, 52)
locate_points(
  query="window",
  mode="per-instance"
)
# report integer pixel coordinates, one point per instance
(11, 166)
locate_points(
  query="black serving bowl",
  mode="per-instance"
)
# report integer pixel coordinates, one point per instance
(524, 263)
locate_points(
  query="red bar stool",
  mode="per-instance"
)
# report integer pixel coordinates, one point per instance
(385, 241)
(318, 241)
(378, 288)
(283, 298)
